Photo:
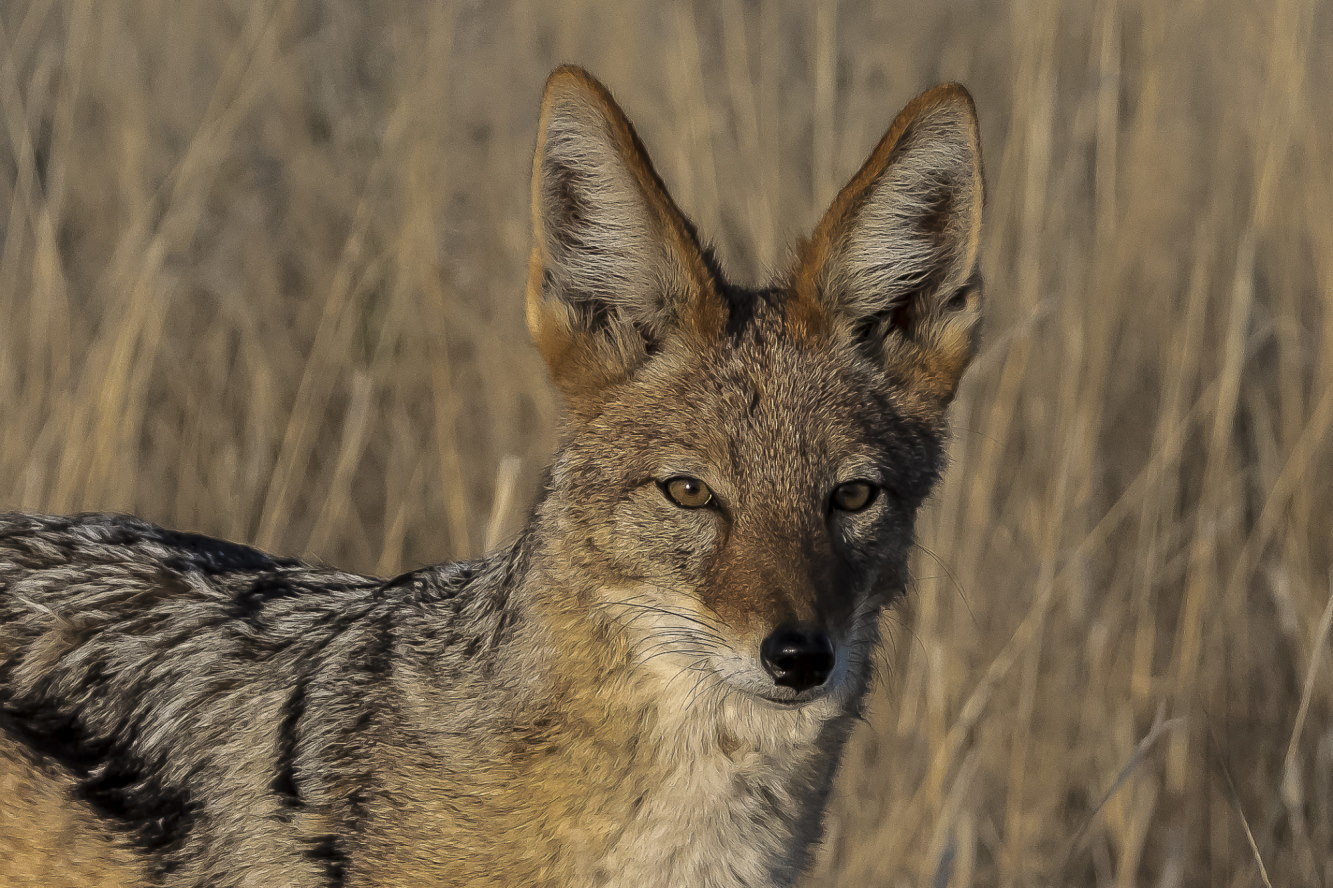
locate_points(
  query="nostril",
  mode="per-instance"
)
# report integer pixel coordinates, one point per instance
(797, 657)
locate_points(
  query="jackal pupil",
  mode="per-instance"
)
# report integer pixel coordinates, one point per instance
(687, 492)
(853, 496)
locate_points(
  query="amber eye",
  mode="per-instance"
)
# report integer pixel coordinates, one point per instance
(854, 496)
(687, 492)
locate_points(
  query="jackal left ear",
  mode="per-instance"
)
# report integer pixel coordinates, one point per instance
(616, 268)
(893, 261)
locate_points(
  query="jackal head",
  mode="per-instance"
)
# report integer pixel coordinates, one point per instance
(741, 468)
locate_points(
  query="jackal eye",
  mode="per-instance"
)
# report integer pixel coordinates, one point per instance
(687, 492)
(854, 496)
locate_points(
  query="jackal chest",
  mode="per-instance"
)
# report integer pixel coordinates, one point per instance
(705, 822)
(719, 821)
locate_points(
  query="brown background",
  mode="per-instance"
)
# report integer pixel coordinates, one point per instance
(260, 276)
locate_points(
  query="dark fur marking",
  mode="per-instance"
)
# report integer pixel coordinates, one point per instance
(590, 312)
(374, 658)
(325, 850)
(413, 580)
(744, 305)
(250, 601)
(706, 252)
(438, 583)
(284, 783)
(652, 344)
(207, 555)
(114, 781)
(377, 656)
(958, 301)
(741, 309)
(565, 202)
(918, 459)
(939, 208)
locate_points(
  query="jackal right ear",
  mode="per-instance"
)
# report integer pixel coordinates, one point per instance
(615, 266)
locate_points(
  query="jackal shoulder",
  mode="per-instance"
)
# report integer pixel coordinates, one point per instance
(188, 688)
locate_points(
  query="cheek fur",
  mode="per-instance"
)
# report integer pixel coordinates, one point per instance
(653, 540)
(863, 538)
(874, 548)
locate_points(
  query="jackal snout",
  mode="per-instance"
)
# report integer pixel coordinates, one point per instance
(787, 591)
(798, 657)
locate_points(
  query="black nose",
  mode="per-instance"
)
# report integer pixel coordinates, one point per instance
(797, 657)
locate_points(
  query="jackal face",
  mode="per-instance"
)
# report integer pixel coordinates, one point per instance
(741, 468)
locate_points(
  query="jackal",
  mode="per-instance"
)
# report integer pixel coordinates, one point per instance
(650, 687)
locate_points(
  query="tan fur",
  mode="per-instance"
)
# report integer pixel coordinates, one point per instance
(50, 840)
(536, 814)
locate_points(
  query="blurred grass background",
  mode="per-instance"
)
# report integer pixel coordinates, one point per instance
(260, 276)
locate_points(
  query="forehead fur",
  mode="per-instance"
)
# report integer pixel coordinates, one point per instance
(769, 406)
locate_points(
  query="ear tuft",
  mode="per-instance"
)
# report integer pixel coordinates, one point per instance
(893, 261)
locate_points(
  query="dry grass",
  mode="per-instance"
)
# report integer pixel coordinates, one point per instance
(260, 269)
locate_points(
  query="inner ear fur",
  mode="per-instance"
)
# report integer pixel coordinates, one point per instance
(893, 262)
(615, 267)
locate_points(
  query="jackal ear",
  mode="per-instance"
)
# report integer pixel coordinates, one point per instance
(615, 266)
(893, 261)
